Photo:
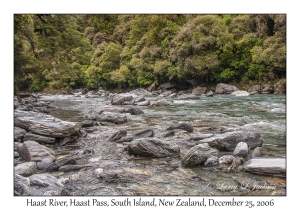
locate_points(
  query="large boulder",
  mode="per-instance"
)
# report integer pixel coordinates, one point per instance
(112, 117)
(225, 88)
(199, 154)
(37, 185)
(33, 151)
(19, 133)
(228, 141)
(152, 148)
(26, 169)
(264, 166)
(183, 126)
(38, 138)
(45, 125)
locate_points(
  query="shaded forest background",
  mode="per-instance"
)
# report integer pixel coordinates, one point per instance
(125, 51)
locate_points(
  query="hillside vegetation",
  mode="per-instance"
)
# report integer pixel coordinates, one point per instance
(126, 51)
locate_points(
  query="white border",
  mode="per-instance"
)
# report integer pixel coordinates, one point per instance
(8, 8)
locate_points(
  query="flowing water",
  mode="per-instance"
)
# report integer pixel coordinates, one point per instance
(114, 172)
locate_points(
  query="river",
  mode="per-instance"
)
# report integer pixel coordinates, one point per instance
(121, 174)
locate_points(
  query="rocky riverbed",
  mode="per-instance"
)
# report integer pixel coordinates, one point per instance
(151, 143)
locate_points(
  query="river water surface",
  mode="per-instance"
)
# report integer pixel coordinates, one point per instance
(114, 172)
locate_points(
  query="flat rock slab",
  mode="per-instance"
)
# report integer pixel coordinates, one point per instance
(264, 166)
(33, 151)
(153, 148)
(45, 125)
(228, 141)
(38, 138)
(112, 117)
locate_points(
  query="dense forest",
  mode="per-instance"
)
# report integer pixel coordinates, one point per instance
(136, 50)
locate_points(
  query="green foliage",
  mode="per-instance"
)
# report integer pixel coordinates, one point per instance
(109, 51)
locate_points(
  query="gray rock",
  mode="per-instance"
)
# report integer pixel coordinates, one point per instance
(141, 134)
(226, 159)
(183, 126)
(134, 111)
(199, 136)
(26, 169)
(143, 103)
(45, 125)
(212, 161)
(141, 92)
(38, 138)
(241, 150)
(170, 133)
(254, 89)
(112, 117)
(33, 151)
(152, 148)
(229, 140)
(162, 102)
(21, 185)
(188, 97)
(67, 140)
(116, 136)
(198, 155)
(209, 94)
(37, 185)
(267, 89)
(240, 93)
(61, 162)
(87, 123)
(225, 88)
(44, 184)
(67, 168)
(256, 152)
(272, 166)
(44, 163)
(114, 109)
(126, 99)
(165, 94)
(19, 133)
(144, 134)
(199, 90)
